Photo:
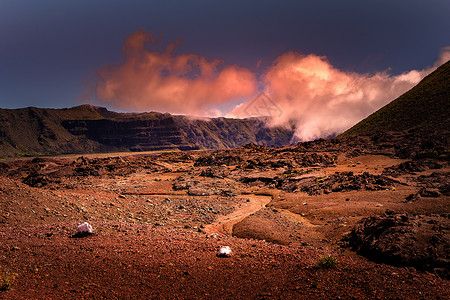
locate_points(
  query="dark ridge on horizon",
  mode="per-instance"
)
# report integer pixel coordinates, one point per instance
(426, 107)
(86, 128)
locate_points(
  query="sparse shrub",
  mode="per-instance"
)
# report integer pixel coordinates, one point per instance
(327, 262)
(6, 279)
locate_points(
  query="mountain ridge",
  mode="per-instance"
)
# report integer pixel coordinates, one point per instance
(425, 107)
(86, 128)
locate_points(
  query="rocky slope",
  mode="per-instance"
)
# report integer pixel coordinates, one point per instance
(88, 129)
(415, 125)
(424, 107)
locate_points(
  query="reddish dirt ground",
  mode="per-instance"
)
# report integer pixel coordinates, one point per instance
(160, 220)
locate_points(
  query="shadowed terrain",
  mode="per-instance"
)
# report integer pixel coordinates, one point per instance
(89, 129)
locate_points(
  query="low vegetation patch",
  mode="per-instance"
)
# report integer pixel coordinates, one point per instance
(6, 279)
(327, 262)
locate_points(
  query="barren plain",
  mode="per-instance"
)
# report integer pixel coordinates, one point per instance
(300, 223)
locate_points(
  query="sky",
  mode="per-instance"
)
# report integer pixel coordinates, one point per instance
(312, 60)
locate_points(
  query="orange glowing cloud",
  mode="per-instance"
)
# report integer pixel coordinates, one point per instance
(167, 82)
(320, 100)
(304, 90)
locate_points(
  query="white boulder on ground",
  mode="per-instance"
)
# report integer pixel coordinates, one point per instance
(224, 252)
(84, 228)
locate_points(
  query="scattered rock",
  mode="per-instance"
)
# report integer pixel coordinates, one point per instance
(338, 182)
(412, 167)
(224, 252)
(198, 192)
(215, 172)
(418, 241)
(84, 229)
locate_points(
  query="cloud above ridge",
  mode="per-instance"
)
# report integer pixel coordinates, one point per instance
(321, 100)
(306, 91)
(168, 82)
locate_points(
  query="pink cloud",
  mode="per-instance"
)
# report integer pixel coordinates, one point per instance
(322, 100)
(304, 90)
(167, 82)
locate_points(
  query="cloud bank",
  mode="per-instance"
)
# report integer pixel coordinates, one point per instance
(321, 100)
(167, 82)
(304, 90)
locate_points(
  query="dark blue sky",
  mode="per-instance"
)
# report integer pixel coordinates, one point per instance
(49, 48)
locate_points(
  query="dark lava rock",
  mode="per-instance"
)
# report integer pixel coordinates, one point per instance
(418, 241)
(215, 172)
(412, 197)
(411, 167)
(422, 193)
(36, 180)
(3, 168)
(41, 172)
(182, 185)
(338, 182)
(438, 181)
(287, 159)
(218, 159)
(429, 193)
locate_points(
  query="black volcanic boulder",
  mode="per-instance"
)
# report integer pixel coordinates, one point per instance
(418, 241)
(215, 172)
(412, 167)
(338, 182)
(218, 159)
(36, 180)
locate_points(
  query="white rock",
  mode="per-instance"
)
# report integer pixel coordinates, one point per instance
(224, 252)
(85, 228)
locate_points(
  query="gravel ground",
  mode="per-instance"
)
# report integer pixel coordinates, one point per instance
(157, 222)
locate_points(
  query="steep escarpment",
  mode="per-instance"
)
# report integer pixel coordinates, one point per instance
(88, 129)
(133, 134)
(224, 133)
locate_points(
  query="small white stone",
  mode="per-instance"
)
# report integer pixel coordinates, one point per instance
(224, 252)
(85, 228)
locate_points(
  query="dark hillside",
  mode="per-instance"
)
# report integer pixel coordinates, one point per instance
(424, 107)
(224, 133)
(415, 125)
(88, 129)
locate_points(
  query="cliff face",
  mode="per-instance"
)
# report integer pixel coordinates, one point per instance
(88, 129)
(223, 133)
(134, 135)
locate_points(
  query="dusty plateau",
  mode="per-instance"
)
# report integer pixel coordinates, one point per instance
(159, 220)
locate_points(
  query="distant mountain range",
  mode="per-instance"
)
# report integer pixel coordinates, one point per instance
(87, 129)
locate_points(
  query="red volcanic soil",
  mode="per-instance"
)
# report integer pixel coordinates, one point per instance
(160, 221)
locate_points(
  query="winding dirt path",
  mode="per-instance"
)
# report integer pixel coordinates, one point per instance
(224, 224)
